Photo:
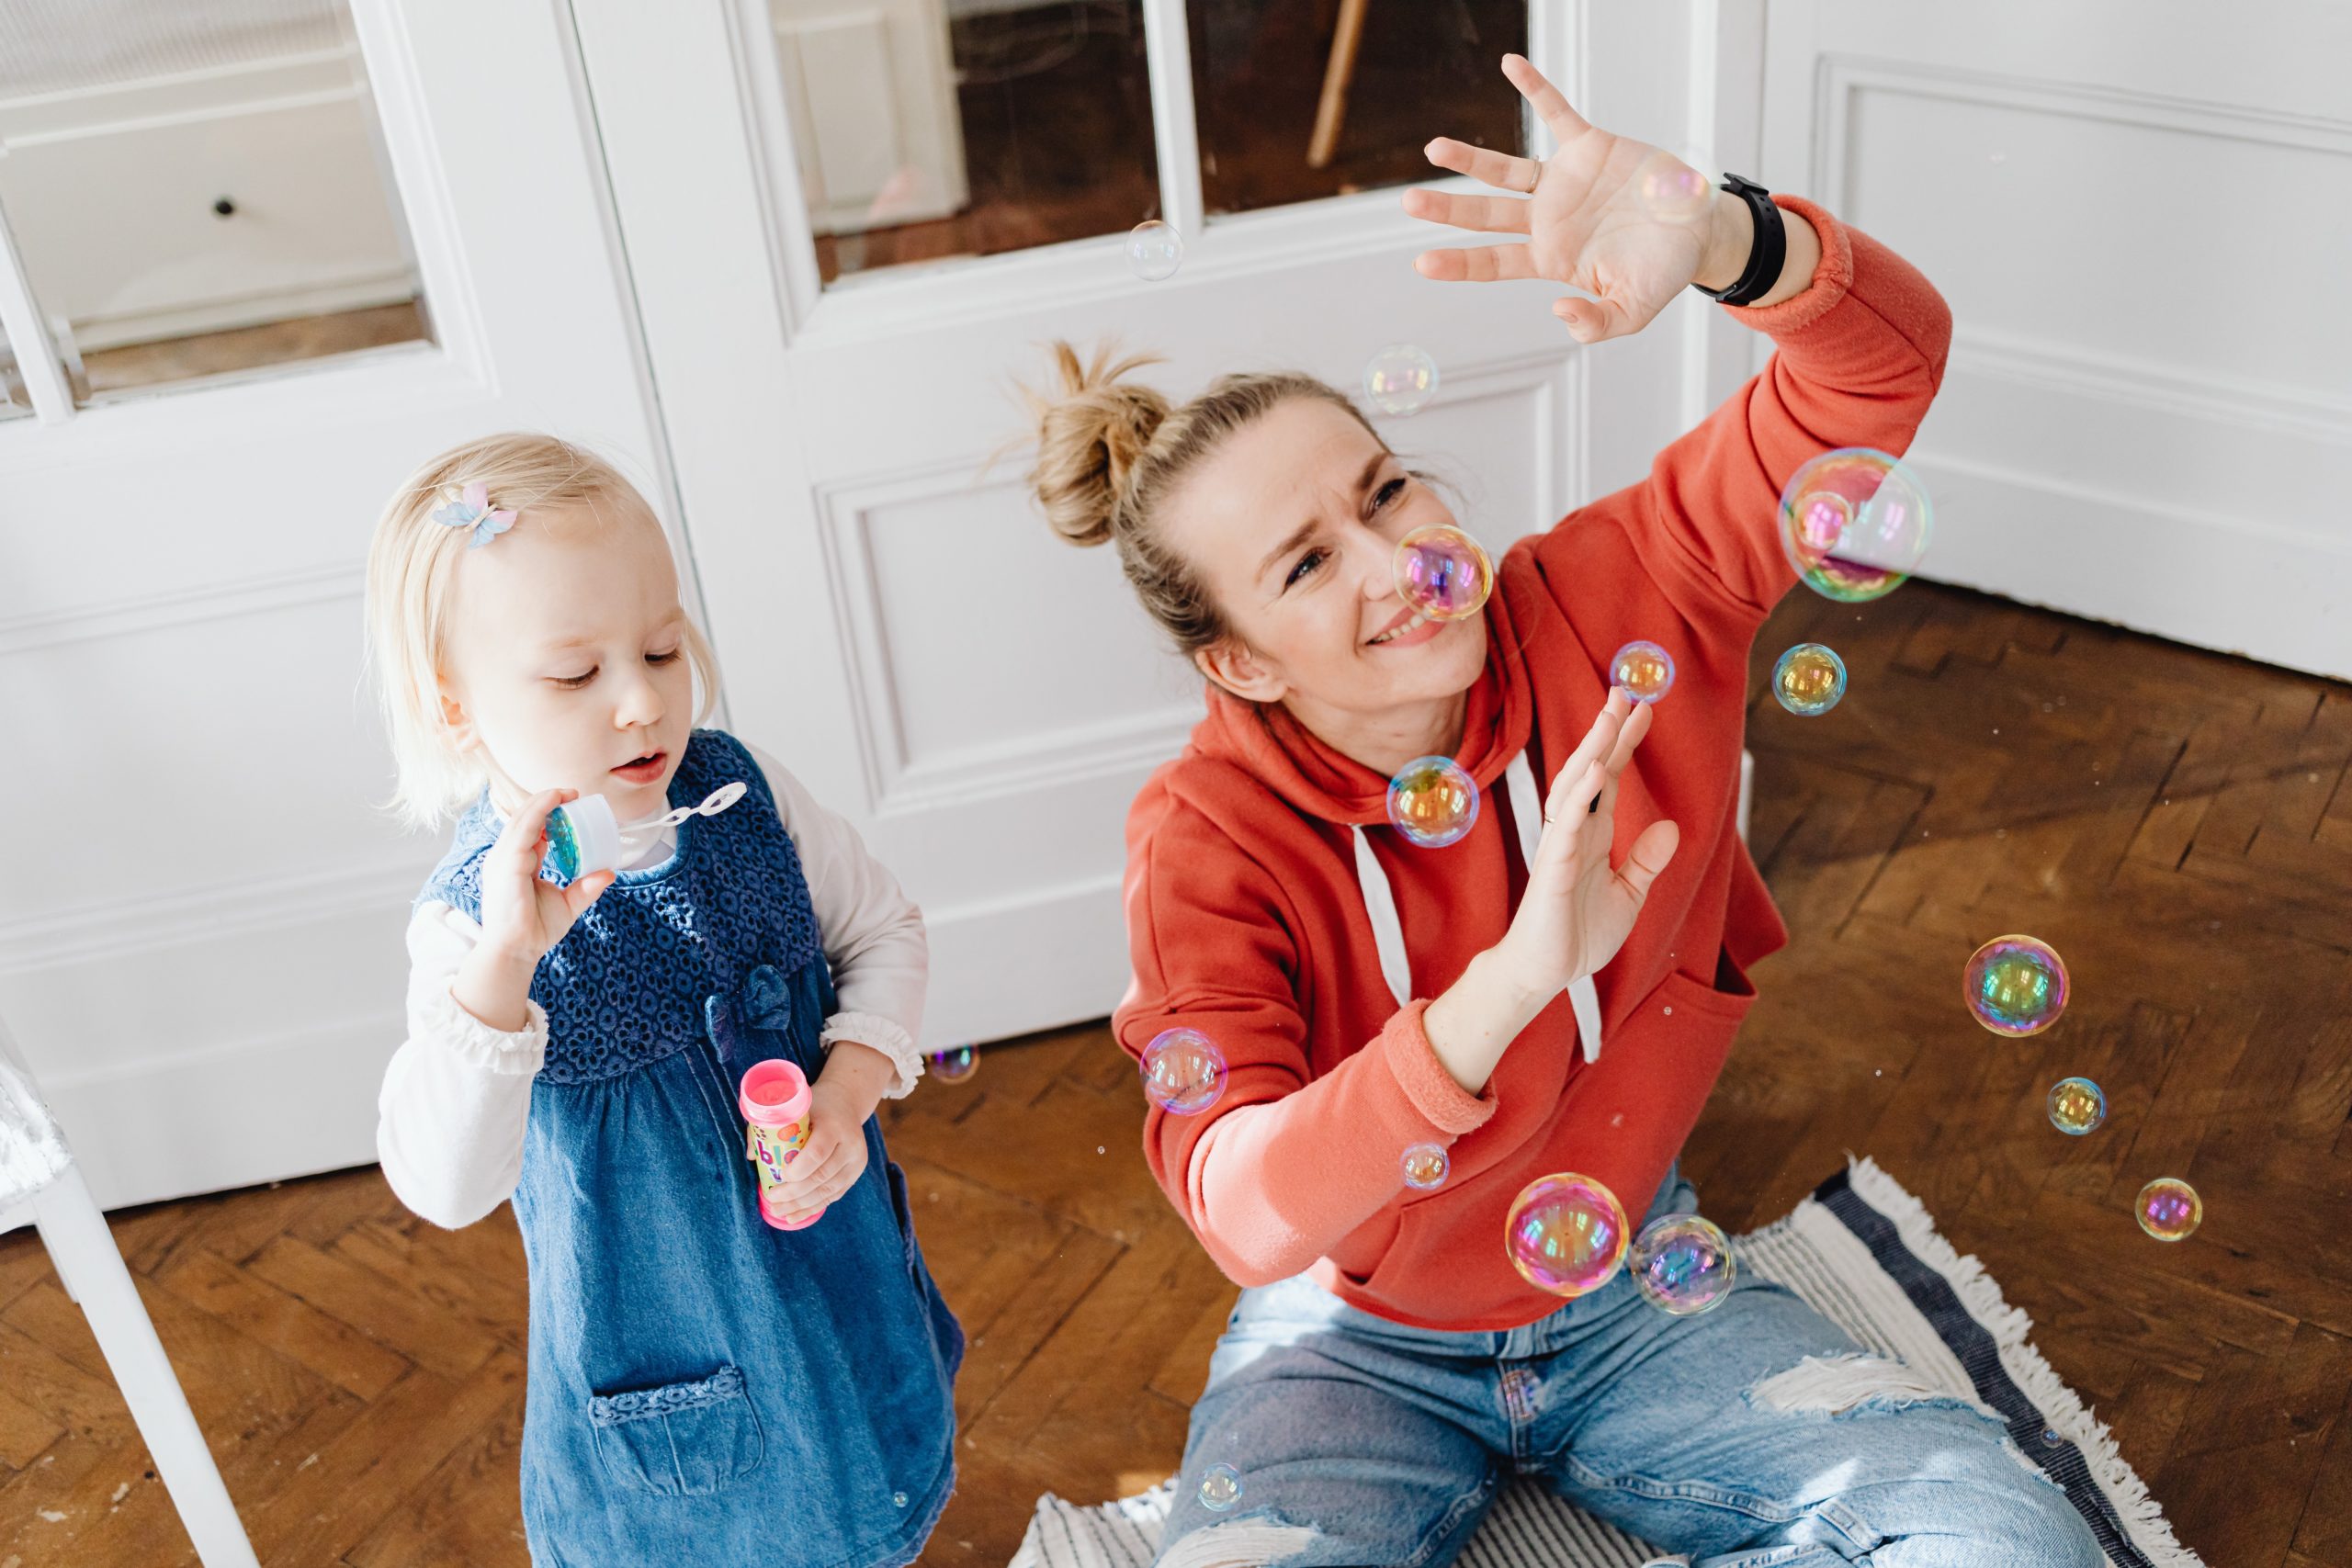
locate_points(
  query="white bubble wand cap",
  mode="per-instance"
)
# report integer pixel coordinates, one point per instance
(585, 838)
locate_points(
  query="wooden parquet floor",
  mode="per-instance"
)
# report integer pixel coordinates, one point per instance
(2178, 823)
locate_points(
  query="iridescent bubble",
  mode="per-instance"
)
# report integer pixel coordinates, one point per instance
(1644, 670)
(1443, 572)
(1809, 679)
(1220, 1487)
(1400, 378)
(1565, 1233)
(2169, 1209)
(1183, 1072)
(952, 1064)
(1854, 523)
(1155, 250)
(1433, 801)
(1673, 190)
(1426, 1166)
(1682, 1264)
(2014, 985)
(2076, 1106)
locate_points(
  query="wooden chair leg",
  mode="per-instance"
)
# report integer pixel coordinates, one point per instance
(1332, 108)
(92, 1270)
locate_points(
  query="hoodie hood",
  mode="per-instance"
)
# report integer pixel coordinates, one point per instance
(1279, 751)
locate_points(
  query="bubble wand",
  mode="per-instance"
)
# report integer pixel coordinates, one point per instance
(583, 837)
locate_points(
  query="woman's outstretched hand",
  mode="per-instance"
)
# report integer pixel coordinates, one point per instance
(1583, 212)
(1578, 909)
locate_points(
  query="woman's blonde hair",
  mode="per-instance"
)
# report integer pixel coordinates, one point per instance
(411, 566)
(1111, 451)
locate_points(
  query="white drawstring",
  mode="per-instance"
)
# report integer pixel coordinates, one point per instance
(1388, 932)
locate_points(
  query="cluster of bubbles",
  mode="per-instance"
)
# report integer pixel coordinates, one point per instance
(2014, 985)
(1443, 573)
(1400, 378)
(1426, 1165)
(1183, 1072)
(1643, 670)
(1565, 1233)
(1809, 679)
(1433, 801)
(1682, 1264)
(1155, 250)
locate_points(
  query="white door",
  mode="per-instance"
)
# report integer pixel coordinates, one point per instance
(892, 616)
(2137, 211)
(271, 256)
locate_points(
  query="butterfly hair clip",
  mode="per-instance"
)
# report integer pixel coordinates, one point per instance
(472, 509)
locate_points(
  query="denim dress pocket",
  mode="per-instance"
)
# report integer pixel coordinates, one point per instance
(680, 1439)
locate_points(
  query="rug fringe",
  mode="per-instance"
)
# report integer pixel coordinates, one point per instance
(2008, 1325)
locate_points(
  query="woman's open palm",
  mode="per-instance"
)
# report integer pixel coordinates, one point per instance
(1584, 210)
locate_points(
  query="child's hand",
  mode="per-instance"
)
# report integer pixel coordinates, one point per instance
(1578, 911)
(1586, 220)
(522, 917)
(830, 1163)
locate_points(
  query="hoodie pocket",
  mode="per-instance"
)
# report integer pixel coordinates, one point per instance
(680, 1438)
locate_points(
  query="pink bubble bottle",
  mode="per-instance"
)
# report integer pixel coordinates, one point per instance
(774, 1099)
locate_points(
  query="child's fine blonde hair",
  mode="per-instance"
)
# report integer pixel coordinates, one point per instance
(411, 565)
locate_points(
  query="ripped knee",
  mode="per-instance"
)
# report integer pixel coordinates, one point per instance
(1237, 1543)
(1842, 1385)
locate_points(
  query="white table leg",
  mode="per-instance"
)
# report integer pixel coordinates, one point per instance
(92, 1269)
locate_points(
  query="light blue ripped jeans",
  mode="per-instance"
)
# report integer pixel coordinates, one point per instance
(1365, 1442)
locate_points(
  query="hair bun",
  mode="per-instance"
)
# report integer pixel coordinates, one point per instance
(1092, 428)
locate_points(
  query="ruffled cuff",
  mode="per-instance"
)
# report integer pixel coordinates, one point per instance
(886, 1035)
(445, 1020)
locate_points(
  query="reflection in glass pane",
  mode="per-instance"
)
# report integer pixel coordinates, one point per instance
(929, 128)
(199, 190)
(1305, 98)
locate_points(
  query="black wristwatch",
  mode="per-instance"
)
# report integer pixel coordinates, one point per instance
(1766, 257)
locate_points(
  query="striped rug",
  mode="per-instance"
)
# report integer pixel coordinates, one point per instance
(1866, 1254)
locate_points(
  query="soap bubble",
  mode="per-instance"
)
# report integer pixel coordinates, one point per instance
(2014, 985)
(1220, 1487)
(1565, 1233)
(1443, 572)
(1809, 680)
(1854, 523)
(1682, 1264)
(1644, 670)
(1674, 190)
(1183, 1072)
(2076, 1106)
(1400, 378)
(1433, 801)
(1426, 1165)
(2169, 1209)
(952, 1064)
(1155, 250)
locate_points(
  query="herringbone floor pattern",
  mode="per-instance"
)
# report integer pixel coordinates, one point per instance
(2179, 824)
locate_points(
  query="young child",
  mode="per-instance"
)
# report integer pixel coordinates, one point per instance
(705, 1386)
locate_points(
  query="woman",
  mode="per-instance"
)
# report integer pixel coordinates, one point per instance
(1385, 1369)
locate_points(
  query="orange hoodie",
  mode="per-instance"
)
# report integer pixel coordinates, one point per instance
(1246, 918)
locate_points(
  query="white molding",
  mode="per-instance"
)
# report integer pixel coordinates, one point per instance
(27, 334)
(2154, 385)
(260, 593)
(2247, 525)
(768, 133)
(145, 923)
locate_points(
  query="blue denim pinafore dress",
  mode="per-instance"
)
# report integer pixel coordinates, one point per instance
(703, 1388)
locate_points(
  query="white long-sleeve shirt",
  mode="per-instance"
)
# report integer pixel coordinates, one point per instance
(457, 1093)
